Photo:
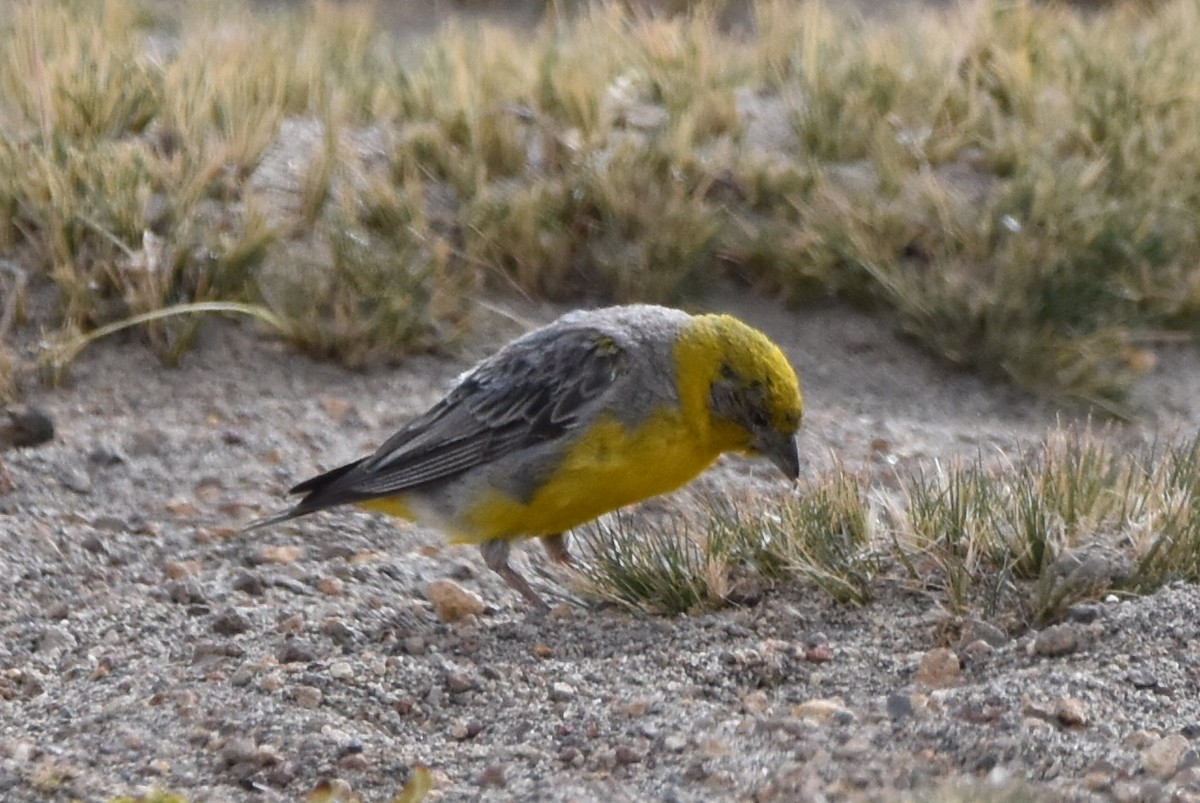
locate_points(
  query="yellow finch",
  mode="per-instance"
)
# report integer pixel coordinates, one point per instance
(595, 411)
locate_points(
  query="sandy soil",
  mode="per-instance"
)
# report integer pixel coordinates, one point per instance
(146, 643)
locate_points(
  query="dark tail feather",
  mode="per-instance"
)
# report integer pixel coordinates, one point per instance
(320, 492)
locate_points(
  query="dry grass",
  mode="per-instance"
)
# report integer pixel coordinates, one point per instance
(1014, 542)
(1013, 181)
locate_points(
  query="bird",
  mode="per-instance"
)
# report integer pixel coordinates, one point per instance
(595, 411)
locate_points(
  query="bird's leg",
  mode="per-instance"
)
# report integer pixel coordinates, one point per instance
(556, 548)
(495, 555)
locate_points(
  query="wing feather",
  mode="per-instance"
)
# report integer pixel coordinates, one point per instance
(529, 393)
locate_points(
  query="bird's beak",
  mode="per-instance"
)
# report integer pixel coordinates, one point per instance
(781, 450)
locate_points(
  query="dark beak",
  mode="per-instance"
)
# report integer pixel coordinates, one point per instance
(781, 450)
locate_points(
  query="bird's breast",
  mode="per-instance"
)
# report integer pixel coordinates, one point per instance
(609, 466)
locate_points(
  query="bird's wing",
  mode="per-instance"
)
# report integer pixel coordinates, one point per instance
(529, 393)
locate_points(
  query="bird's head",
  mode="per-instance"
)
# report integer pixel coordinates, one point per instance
(755, 390)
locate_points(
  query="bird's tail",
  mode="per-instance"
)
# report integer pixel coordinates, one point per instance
(320, 492)
(275, 518)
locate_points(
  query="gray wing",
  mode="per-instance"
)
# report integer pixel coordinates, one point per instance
(532, 392)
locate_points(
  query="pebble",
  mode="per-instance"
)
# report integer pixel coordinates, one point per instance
(1161, 759)
(1057, 640)
(295, 651)
(239, 750)
(820, 710)
(242, 675)
(230, 623)
(561, 692)
(626, 755)
(280, 553)
(249, 583)
(675, 742)
(979, 630)
(939, 669)
(492, 776)
(185, 592)
(1071, 712)
(451, 602)
(307, 696)
(900, 707)
(1140, 679)
(75, 479)
(55, 638)
(341, 632)
(341, 670)
(462, 730)
(458, 682)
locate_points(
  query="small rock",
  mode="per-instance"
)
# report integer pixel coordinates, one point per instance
(294, 651)
(55, 639)
(291, 624)
(978, 652)
(979, 630)
(341, 632)
(249, 583)
(107, 456)
(1058, 640)
(756, 702)
(626, 755)
(939, 669)
(492, 776)
(230, 623)
(1161, 759)
(1085, 613)
(282, 554)
(568, 755)
(93, 543)
(451, 602)
(209, 652)
(74, 479)
(1071, 712)
(181, 569)
(818, 653)
(185, 592)
(984, 712)
(458, 682)
(675, 742)
(242, 675)
(561, 692)
(1141, 679)
(820, 710)
(26, 427)
(466, 730)
(900, 707)
(58, 612)
(307, 696)
(341, 670)
(239, 750)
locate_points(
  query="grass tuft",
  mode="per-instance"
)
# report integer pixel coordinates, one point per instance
(1015, 182)
(1015, 542)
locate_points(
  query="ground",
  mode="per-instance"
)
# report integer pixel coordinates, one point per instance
(147, 643)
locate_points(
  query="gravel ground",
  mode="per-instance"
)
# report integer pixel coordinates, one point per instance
(147, 643)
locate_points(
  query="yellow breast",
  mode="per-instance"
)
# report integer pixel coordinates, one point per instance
(609, 467)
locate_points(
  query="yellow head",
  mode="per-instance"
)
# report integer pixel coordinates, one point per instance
(752, 390)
